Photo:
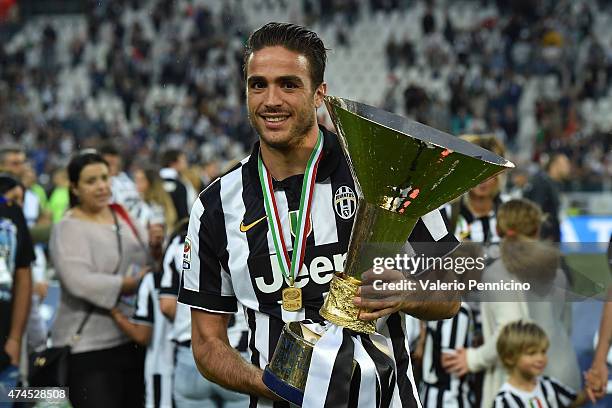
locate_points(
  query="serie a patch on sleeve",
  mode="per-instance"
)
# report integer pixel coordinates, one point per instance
(187, 254)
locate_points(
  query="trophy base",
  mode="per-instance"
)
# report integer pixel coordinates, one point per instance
(339, 308)
(287, 372)
(282, 389)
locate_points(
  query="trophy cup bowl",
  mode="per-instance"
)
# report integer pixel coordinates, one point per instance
(402, 170)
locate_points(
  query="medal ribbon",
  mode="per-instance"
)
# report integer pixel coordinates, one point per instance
(290, 268)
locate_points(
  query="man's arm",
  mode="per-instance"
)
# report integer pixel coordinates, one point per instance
(423, 310)
(22, 295)
(432, 310)
(167, 305)
(605, 334)
(140, 333)
(597, 376)
(218, 361)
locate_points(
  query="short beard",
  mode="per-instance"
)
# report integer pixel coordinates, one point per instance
(297, 133)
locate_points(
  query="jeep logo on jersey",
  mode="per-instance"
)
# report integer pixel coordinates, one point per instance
(293, 222)
(320, 270)
(345, 202)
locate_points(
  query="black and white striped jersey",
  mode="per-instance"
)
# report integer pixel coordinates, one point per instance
(476, 229)
(231, 253)
(170, 283)
(169, 287)
(159, 361)
(441, 389)
(548, 393)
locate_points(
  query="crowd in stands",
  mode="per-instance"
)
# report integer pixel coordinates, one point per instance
(159, 74)
(493, 61)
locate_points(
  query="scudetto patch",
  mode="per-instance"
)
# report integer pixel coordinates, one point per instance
(345, 202)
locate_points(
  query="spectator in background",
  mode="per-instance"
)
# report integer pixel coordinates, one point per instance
(522, 347)
(428, 21)
(123, 188)
(11, 190)
(473, 216)
(16, 256)
(96, 254)
(59, 198)
(190, 389)
(597, 376)
(30, 182)
(35, 206)
(544, 189)
(150, 328)
(193, 177)
(519, 178)
(209, 171)
(156, 206)
(174, 162)
(13, 160)
(523, 258)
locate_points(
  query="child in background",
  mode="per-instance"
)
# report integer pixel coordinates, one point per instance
(522, 349)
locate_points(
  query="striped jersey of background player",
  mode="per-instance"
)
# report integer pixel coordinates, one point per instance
(232, 256)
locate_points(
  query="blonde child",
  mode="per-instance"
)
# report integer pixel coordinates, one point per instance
(522, 348)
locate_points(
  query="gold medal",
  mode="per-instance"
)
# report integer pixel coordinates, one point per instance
(292, 299)
(289, 267)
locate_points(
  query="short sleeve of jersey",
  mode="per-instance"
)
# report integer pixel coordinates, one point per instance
(501, 400)
(172, 267)
(143, 314)
(563, 394)
(205, 284)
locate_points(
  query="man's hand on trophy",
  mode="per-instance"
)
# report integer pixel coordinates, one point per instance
(381, 294)
(390, 291)
(373, 309)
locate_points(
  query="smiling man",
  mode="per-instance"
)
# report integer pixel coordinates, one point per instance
(244, 227)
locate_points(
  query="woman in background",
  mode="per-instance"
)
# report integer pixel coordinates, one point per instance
(473, 216)
(97, 255)
(156, 206)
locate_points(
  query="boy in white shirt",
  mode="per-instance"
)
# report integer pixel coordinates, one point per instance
(522, 349)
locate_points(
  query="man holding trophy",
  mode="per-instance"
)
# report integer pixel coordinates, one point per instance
(273, 232)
